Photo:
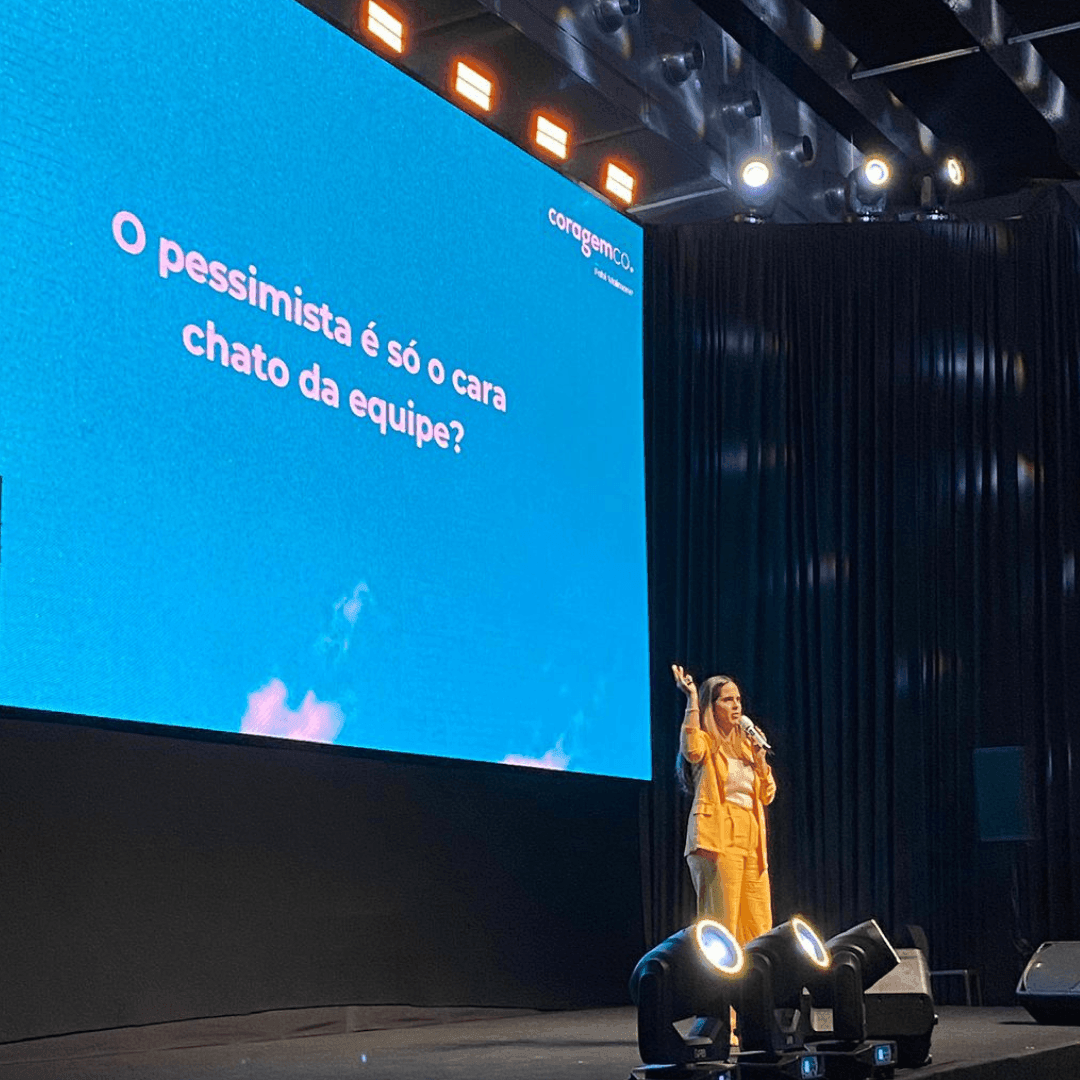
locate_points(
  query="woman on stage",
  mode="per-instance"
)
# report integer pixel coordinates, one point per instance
(731, 784)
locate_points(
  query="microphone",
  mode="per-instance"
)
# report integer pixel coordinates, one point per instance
(753, 734)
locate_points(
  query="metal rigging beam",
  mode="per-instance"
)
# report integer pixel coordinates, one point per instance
(987, 21)
(811, 41)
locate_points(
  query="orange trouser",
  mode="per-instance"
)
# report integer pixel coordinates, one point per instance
(730, 884)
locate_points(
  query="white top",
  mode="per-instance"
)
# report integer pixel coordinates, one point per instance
(739, 789)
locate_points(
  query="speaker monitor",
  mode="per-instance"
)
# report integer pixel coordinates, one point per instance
(900, 1007)
(1050, 986)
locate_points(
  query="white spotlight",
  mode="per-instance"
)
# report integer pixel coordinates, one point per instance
(719, 946)
(756, 173)
(877, 171)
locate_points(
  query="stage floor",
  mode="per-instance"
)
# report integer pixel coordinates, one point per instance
(474, 1044)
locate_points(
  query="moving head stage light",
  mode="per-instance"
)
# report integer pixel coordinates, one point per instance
(696, 973)
(802, 1004)
(861, 957)
(804, 998)
(772, 1014)
(690, 974)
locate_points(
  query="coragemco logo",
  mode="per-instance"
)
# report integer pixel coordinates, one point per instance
(589, 241)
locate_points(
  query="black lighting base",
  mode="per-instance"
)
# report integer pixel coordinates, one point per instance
(803, 1064)
(859, 1061)
(705, 1070)
(821, 1061)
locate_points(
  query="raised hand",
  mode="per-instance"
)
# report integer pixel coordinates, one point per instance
(685, 681)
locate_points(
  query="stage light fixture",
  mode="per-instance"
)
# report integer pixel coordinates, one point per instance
(835, 198)
(738, 107)
(780, 963)
(869, 946)
(693, 973)
(864, 192)
(860, 957)
(756, 189)
(678, 66)
(473, 85)
(619, 183)
(810, 942)
(611, 14)
(384, 25)
(755, 173)
(937, 188)
(796, 153)
(551, 136)
(875, 173)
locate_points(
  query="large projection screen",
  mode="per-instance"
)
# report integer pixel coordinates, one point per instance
(320, 402)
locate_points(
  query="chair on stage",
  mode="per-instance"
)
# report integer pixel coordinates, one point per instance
(970, 976)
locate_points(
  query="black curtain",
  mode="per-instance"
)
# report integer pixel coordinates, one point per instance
(864, 504)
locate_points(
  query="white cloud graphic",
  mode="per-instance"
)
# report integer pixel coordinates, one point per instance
(335, 641)
(268, 713)
(555, 758)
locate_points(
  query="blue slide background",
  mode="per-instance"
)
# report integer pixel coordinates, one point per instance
(177, 535)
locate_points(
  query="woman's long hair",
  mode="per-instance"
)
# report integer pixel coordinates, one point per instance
(707, 694)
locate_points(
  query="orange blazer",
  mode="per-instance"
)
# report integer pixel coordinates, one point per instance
(710, 768)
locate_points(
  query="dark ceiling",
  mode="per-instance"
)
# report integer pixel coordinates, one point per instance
(1000, 107)
(1009, 108)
